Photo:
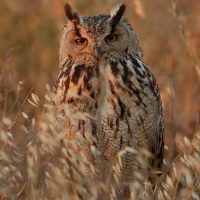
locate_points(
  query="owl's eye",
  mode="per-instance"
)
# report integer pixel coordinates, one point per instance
(81, 41)
(111, 38)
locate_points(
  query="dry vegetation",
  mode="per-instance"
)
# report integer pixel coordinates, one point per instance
(35, 162)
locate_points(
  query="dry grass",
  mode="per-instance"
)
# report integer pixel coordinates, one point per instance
(35, 162)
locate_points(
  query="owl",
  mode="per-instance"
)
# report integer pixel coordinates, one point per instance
(107, 101)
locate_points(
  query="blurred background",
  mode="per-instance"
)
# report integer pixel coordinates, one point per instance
(30, 32)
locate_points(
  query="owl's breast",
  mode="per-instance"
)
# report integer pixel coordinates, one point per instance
(118, 96)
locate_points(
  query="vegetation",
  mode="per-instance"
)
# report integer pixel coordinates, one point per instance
(34, 162)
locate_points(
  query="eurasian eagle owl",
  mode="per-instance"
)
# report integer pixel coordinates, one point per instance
(107, 101)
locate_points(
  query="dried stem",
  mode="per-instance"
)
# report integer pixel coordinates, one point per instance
(175, 13)
(10, 128)
(22, 189)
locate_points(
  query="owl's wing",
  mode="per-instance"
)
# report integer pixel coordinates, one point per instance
(149, 81)
(158, 150)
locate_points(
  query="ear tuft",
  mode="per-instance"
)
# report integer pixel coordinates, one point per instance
(69, 11)
(71, 14)
(117, 14)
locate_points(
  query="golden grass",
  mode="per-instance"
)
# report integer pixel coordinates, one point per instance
(47, 168)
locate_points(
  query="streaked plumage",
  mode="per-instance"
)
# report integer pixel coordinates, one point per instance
(105, 92)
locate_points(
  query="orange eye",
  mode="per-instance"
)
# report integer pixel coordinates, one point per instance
(81, 41)
(111, 38)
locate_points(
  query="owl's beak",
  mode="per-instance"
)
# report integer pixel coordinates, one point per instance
(96, 52)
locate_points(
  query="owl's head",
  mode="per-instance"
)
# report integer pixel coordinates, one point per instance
(93, 37)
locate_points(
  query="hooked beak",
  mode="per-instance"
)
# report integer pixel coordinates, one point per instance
(96, 52)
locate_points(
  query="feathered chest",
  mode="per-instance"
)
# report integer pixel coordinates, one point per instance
(109, 85)
(110, 94)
